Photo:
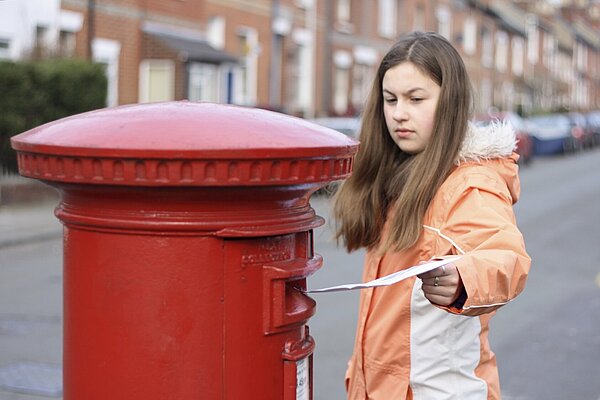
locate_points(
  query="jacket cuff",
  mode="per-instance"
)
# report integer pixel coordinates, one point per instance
(460, 301)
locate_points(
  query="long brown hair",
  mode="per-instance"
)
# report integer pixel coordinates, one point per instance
(384, 176)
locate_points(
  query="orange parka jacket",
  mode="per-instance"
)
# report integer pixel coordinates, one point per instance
(407, 348)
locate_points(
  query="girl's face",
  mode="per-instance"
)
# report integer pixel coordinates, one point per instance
(409, 102)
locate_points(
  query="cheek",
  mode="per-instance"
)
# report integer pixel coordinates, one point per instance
(387, 114)
(429, 122)
(429, 127)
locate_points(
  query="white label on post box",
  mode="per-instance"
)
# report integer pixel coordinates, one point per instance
(302, 383)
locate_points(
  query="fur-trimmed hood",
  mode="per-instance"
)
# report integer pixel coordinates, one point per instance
(493, 146)
(496, 140)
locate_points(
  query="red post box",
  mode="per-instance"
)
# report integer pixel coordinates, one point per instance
(187, 228)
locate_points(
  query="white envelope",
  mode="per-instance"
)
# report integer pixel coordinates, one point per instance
(389, 279)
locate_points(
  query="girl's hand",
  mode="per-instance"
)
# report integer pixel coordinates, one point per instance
(442, 285)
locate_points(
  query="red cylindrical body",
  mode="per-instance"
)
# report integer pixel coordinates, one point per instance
(187, 231)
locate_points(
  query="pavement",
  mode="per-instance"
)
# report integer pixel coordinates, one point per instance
(28, 222)
(30, 293)
(26, 211)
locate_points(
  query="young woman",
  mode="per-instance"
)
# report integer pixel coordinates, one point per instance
(427, 184)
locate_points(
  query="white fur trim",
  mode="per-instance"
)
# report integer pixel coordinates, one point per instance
(496, 140)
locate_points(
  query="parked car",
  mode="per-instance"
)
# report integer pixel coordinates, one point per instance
(552, 134)
(581, 131)
(524, 139)
(347, 125)
(593, 120)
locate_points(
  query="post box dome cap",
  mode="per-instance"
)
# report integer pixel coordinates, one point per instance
(184, 129)
(184, 144)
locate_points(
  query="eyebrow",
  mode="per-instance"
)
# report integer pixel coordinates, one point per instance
(408, 92)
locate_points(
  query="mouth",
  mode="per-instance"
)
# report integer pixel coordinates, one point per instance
(401, 132)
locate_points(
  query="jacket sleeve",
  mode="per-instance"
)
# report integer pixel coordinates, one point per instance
(481, 222)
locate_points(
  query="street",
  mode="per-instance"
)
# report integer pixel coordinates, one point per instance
(547, 341)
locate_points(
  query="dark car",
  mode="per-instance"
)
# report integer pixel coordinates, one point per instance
(581, 131)
(552, 134)
(347, 125)
(524, 139)
(593, 121)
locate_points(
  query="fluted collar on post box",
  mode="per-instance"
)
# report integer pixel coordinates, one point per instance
(146, 158)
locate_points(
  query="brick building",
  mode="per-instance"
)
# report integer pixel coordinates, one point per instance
(318, 57)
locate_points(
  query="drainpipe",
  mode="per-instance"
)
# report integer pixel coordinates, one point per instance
(275, 75)
(91, 27)
(312, 27)
(327, 62)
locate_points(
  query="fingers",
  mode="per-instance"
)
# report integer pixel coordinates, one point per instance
(440, 271)
(441, 280)
(442, 295)
(439, 300)
(441, 285)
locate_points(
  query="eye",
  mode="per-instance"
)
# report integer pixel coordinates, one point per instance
(416, 99)
(389, 100)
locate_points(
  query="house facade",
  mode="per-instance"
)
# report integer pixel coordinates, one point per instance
(36, 28)
(313, 57)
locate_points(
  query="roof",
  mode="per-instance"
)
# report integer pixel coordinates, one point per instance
(563, 33)
(513, 17)
(191, 45)
(587, 33)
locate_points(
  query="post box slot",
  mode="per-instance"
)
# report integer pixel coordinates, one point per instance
(298, 306)
(285, 305)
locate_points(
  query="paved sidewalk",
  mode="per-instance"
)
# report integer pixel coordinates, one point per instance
(30, 300)
(28, 222)
(31, 304)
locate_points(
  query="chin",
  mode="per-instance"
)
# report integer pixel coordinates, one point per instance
(410, 150)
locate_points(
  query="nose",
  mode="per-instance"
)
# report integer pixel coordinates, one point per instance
(400, 112)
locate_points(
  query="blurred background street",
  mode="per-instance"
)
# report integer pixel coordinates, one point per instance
(534, 64)
(547, 341)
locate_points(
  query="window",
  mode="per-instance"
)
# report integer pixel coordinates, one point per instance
(215, 32)
(532, 40)
(582, 56)
(66, 43)
(204, 82)
(501, 51)
(157, 80)
(301, 73)
(70, 22)
(388, 15)
(305, 4)
(365, 61)
(419, 20)
(548, 50)
(342, 61)
(444, 20)
(248, 70)
(485, 97)
(304, 94)
(340, 97)
(107, 52)
(518, 55)
(40, 46)
(4, 48)
(361, 85)
(508, 96)
(343, 11)
(470, 36)
(40, 35)
(487, 48)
